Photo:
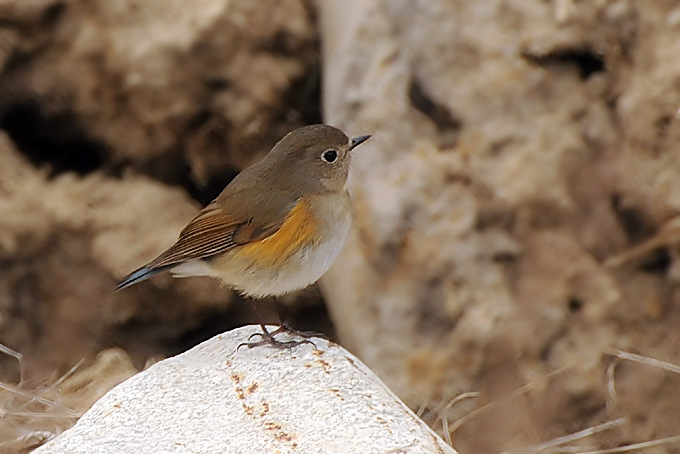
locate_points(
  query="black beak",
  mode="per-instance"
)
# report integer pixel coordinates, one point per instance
(358, 141)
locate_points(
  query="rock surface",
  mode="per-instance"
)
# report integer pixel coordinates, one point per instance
(517, 147)
(217, 399)
(65, 239)
(109, 74)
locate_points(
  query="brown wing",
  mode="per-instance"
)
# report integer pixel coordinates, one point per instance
(211, 232)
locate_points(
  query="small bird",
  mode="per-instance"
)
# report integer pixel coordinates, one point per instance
(276, 228)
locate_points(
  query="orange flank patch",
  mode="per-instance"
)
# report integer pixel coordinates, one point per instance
(298, 229)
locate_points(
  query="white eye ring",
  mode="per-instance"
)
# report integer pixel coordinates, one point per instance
(329, 155)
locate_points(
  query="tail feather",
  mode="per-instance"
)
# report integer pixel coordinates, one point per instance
(140, 275)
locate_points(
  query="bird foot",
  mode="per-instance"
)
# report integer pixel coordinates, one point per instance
(286, 328)
(267, 338)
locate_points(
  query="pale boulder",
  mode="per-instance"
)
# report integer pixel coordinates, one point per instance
(217, 398)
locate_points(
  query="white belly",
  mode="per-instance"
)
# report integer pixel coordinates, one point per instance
(298, 271)
(301, 270)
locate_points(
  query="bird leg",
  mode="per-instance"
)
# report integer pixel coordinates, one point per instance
(286, 328)
(267, 337)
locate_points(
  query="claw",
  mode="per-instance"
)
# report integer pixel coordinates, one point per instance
(277, 344)
(267, 338)
(286, 328)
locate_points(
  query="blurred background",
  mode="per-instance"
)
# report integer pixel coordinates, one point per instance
(511, 273)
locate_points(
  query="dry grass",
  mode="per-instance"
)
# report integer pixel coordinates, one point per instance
(559, 444)
(30, 417)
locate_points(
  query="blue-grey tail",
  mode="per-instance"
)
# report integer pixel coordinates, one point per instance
(140, 275)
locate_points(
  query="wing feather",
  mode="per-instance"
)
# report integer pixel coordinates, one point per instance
(212, 232)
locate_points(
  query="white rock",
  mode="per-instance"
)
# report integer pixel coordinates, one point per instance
(217, 399)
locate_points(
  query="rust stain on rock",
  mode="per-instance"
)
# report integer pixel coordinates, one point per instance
(239, 393)
(283, 436)
(265, 409)
(325, 365)
(337, 394)
(272, 426)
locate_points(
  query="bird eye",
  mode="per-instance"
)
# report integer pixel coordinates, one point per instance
(329, 155)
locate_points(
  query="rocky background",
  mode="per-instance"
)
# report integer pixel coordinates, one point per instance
(516, 227)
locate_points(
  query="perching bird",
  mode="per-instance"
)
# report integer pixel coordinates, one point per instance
(276, 228)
